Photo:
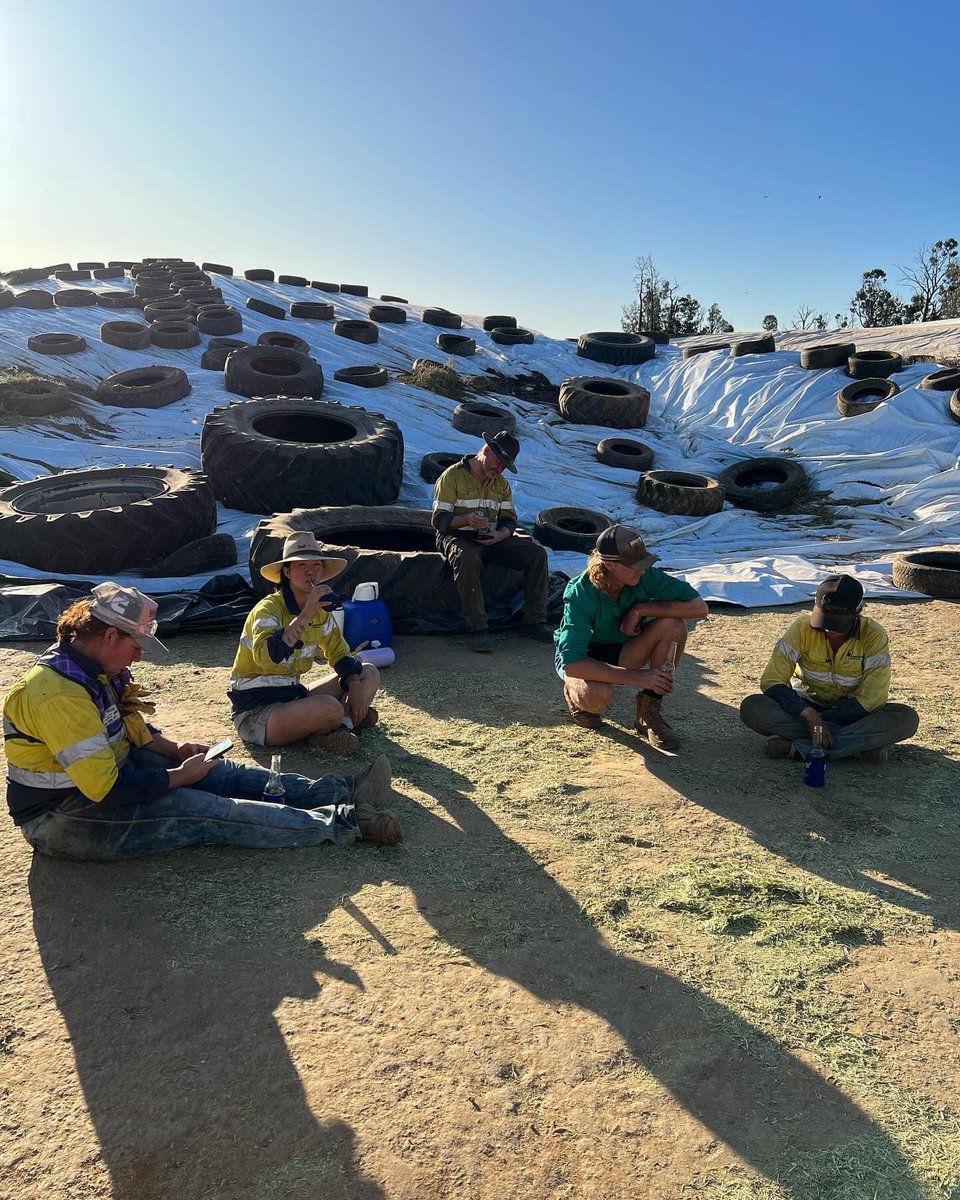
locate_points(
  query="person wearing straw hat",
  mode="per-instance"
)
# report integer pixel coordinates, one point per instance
(281, 640)
(476, 523)
(620, 618)
(89, 779)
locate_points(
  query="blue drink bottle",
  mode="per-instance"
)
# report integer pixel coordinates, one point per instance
(815, 764)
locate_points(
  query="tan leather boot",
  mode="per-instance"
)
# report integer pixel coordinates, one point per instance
(652, 726)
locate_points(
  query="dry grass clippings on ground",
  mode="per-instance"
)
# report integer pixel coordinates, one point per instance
(590, 970)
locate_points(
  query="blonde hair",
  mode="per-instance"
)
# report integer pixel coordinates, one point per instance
(598, 574)
(78, 621)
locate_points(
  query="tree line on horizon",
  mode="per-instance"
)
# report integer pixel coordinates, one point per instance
(932, 279)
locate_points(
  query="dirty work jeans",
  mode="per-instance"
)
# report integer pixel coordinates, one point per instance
(316, 810)
(519, 552)
(886, 725)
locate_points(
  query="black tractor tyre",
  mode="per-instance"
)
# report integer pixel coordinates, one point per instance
(617, 349)
(282, 453)
(865, 395)
(99, 522)
(387, 314)
(117, 300)
(354, 289)
(322, 285)
(945, 380)
(625, 453)
(174, 335)
(268, 310)
(216, 268)
(358, 331)
(69, 276)
(26, 275)
(90, 266)
(826, 355)
(214, 360)
(443, 318)
(227, 343)
(930, 572)
(873, 364)
(108, 273)
(395, 299)
(954, 405)
(258, 274)
(34, 397)
(169, 310)
(216, 552)
(499, 322)
(143, 387)
(7, 299)
(657, 336)
(34, 298)
(570, 528)
(456, 343)
(696, 348)
(219, 320)
(368, 377)
(433, 465)
(283, 341)
(682, 493)
(760, 345)
(293, 280)
(600, 400)
(56, 343)
(309, 311)
(270, 371)
(125, 264)
(475, 417)
(743, 483)
(74, 298)
(512, 337)
(131, 335)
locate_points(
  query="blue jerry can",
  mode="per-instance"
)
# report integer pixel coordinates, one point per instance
(366, 621)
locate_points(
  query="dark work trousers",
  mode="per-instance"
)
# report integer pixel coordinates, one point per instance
(519, 552)
(886, 725)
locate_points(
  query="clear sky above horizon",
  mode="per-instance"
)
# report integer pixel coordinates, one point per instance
(507, 158)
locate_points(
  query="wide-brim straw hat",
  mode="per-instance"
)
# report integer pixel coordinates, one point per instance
(304, 547)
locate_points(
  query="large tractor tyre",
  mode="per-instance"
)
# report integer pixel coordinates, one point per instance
(599, 400)
(443, 318)
(174, 335)
(143, 387)
(514, 336)
(7, 299)
(476, 418)
(354, 289)
(456, 343)
(496, 322)
(268, 310)
(283, 341)
(74, 298)
(387, 314)
(308, 311)
(219, 319)
(696, 348)
(873, 364)
(864, 396)
(131, 335)
(117, 300)
(281, 453)
(657, 336)
(394, 547)
(259, 274)
(945, 380)
(680, 492)
(271, 371)
(930, 572)
(762, 484)
(570, 528)
(33, 298)
(827, 355)
(760, 345)
(34, 397)
(322, 285)
(365, 332)
(955, 405)
(108, 273)
(617, 349)
(433, 465)
(99, 522)
(216, 268)
(56, 343)
(625, 453)
(293, 280)
(214, 553)
(395, 300)
(71, 276)
(368, 377)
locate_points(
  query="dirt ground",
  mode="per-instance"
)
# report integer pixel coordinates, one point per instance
(589, 971)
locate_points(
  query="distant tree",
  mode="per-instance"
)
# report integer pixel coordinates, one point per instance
(660, 306)
(716, 321)
(928, 276)
(873, 304)
(770, 323)
(950, 303)
(687, 316)
(807, 317)
(840, 321)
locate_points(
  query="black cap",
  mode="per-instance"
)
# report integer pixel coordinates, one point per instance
(838, 604)
(505, 446)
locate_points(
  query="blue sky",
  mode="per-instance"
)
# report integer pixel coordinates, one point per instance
(505, 157)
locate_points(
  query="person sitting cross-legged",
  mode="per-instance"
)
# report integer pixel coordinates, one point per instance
(282, 637)
(829, 677)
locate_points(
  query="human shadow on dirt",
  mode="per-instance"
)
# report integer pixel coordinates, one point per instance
(896, 820)
(185, 1071)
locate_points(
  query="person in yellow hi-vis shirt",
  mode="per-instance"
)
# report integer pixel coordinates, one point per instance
(829, 678)
(281, 639)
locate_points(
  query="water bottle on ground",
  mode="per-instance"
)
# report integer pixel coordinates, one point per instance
(670, 662)
(815, 764)
(273, 791)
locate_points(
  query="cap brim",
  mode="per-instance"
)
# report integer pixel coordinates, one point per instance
(335, 566)
(491, 446)
(150, 644)
(646, 562)
(831, 622)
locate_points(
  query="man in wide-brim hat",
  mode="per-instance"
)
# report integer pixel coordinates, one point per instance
(476, 523)
(282, 638)
(620, 618)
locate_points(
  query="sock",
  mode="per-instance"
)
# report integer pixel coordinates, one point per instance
(650, 692)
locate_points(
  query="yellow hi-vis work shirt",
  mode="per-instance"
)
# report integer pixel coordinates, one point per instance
(804, 660)
(459, 494)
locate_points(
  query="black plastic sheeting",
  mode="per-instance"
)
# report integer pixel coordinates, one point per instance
(29, 608)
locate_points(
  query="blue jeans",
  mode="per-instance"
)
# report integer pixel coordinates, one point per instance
(882, 727)
(227, 810)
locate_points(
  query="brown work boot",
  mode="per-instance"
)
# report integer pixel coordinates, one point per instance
(652, 726)
(337, 741)
(372, 784)
(371, 719)
(378, 825)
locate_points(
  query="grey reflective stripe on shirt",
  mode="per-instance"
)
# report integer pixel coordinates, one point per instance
(39, 779)
(259, 681)
(86, 748)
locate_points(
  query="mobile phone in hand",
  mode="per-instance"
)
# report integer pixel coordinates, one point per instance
(218, 750)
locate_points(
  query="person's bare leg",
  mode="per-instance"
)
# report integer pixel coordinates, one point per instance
(364, 691)
(650, 647)
(587, 695)
(299, 719)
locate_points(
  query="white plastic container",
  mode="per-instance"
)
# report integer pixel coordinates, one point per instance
(367, 591)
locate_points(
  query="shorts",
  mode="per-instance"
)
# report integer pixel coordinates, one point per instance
(605, 652)
(252, 724)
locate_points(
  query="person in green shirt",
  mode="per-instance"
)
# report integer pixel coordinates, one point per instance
(619, 619)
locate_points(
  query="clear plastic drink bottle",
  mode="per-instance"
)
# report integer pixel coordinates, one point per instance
(670, 662)
(273, 790)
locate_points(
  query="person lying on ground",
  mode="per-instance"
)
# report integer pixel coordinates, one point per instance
(476, 523)
(282, 638)
(829, 677)
(619, 620)
(88, 778)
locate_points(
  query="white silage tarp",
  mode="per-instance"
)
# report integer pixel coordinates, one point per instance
(899, 463)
